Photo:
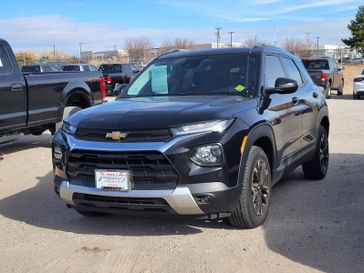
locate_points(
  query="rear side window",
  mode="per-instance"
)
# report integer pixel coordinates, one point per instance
(47, 68)
(31, 69)
(293, 71)
(5, 65)
(93, 68)
(273, 71)
(86, 68)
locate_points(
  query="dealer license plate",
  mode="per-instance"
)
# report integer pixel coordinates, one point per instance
(112, 180)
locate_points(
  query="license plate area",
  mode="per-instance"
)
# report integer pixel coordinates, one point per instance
(113, 180)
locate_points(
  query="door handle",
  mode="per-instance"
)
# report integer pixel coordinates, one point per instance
(315, 95)
(16, 87)
(295, 100)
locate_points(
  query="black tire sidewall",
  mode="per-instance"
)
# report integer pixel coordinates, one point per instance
(255, 154)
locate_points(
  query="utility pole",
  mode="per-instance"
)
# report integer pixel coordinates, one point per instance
(80, 44)
(317, 46)
(231, 38)
(218, 36)
(54, 52)
(25, 57)
(307, 38)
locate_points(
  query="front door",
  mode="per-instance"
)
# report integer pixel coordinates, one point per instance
(12, 94)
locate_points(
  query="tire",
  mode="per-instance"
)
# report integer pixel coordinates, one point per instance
(90, 213)
(67, 112)
(340, 91)
(316, 169)
(256, 180)
(328, 90)
(356, 97)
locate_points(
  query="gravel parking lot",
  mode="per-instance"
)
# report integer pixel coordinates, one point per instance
(312, 226)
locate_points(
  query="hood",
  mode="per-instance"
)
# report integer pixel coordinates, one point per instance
(159, 112)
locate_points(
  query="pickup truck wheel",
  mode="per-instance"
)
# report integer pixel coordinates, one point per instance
(90, 213)
(341, 89)
(316, 169)
(68, 111)
(328, 90)
(252, 209)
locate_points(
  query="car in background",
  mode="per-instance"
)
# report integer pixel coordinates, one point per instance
(326, 73)
(358, 85)
(79, 68)
(357, 61)
(39, 68)
(118, 73)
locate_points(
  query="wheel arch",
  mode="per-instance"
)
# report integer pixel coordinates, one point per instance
(262, 136)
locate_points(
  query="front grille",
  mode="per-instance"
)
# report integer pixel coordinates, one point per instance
(149, 170)
(88, 201)
(160, 135)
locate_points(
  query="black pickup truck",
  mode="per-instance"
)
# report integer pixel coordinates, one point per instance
(33, 103)
(325, 73)
(120, 73)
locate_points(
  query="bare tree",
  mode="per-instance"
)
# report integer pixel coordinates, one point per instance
(180, 43)
(299, 47)
(252, 41)
(136, 47)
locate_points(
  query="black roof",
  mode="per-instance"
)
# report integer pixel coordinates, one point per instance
(219, 51)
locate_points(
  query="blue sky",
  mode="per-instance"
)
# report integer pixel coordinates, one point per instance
(102, 24)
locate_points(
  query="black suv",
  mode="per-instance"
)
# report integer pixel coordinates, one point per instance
(204, 133)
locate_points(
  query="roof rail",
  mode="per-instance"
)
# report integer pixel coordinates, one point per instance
(174, 50)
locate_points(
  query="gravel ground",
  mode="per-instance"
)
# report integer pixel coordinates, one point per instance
(312, 226)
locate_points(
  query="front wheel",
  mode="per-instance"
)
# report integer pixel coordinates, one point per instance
(340, 91)
(253, 206)
(328, 90)
(316, 169)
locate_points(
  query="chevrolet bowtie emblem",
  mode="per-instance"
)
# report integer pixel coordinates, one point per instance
(116, 135)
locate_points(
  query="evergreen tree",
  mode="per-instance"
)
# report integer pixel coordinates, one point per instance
(356, 28)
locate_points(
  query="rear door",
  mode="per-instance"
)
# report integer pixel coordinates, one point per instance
(12, 93)
(287, 125)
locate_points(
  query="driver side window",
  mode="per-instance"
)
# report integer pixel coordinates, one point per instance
(273, 70)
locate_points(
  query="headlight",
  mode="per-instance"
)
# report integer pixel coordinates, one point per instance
(208, 126)
(57, 153)
(68, 128)
(208, 155)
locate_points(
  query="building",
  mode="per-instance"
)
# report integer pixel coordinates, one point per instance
(105, 56)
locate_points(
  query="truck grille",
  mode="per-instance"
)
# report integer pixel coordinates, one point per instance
(159, 135)
(149, 170)
(120, 204)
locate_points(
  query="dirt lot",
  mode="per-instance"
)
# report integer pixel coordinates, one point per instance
(312, 226)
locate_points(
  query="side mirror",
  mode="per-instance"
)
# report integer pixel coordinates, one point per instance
(283, 86)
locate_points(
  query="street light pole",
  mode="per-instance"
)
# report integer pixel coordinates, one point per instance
(218, 36)
(231, 38)
(80, 44)
(317, 46)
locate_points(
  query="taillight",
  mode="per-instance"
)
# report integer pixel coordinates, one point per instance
(109, 80)
(102, 87)
(128, 79)
(358, 79)
(323, 76)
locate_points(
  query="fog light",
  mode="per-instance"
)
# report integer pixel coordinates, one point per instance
(57, 153)
(208, 155)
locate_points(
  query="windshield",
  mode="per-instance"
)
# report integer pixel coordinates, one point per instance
(202, 75)
(316, 64)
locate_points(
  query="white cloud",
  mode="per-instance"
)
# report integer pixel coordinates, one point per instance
(42, 32)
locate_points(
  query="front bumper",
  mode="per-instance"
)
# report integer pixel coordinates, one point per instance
(198, 191)
(358, 88)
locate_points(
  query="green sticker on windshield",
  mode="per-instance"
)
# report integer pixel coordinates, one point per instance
(240, 88)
